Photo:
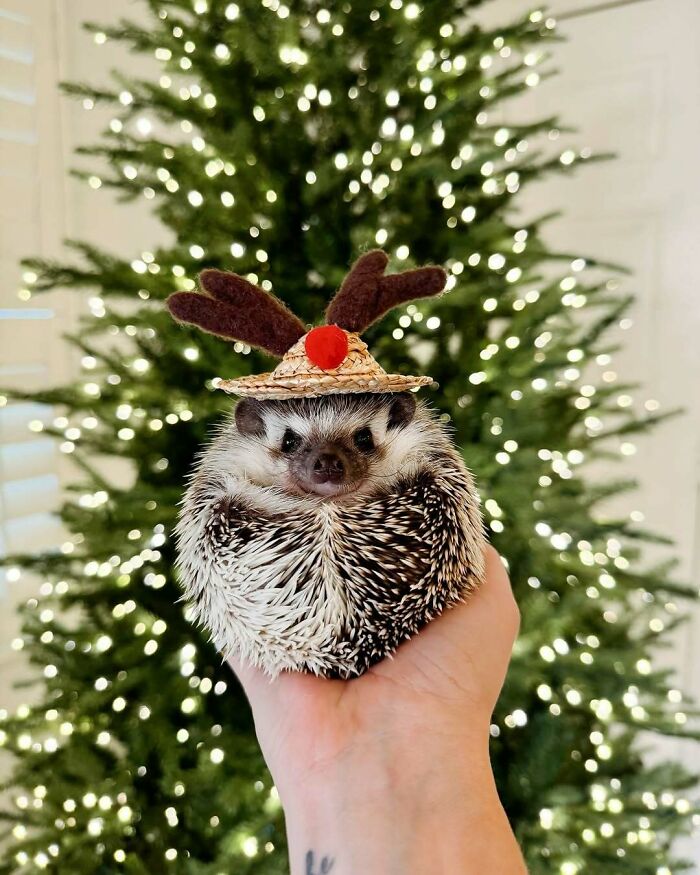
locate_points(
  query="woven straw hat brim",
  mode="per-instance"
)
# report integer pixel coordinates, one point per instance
(298, 377)
(312, 385)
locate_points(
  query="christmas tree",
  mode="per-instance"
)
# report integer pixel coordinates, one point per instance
(279, 142)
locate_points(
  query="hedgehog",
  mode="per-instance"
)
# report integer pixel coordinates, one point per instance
(331, 517)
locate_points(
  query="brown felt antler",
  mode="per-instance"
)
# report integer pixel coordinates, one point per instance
(231, 307)
(366, 294)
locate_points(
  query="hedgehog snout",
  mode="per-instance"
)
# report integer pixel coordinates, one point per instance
(328, 469)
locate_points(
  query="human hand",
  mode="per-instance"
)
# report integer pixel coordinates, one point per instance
(368, 768)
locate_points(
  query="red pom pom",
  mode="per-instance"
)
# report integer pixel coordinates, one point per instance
(326, 346)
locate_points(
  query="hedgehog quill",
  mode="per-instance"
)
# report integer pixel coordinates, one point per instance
(331, 517)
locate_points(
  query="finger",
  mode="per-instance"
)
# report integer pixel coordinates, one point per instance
(484, 624)
(500, 593)
(492, 606)
(484, 627)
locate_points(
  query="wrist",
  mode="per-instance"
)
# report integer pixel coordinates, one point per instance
(396, 765)
(397, 810)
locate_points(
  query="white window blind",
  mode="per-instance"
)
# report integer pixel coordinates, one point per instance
(28, 329)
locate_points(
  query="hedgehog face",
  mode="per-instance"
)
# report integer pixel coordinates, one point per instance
(328, 447)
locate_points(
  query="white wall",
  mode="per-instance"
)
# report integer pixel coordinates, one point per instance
(629, 80)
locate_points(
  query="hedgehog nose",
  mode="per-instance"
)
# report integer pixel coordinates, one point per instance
(328, 468)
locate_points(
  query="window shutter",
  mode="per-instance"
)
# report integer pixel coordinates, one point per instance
(29, 461)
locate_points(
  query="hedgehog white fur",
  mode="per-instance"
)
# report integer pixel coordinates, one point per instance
(296, 570)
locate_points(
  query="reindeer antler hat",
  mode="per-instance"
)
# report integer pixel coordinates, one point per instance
(326, 360)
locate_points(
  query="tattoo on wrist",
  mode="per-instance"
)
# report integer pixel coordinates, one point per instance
(323, 867)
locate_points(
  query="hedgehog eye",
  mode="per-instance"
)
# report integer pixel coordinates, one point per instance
(363, 440)
(290, 441)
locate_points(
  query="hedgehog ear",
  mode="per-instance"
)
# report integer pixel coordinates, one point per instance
(402, 409)
(249, 419)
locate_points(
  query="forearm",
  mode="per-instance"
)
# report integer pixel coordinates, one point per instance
(388, 815)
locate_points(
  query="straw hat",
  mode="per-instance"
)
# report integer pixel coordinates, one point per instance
(326, 360)
(299, 376)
